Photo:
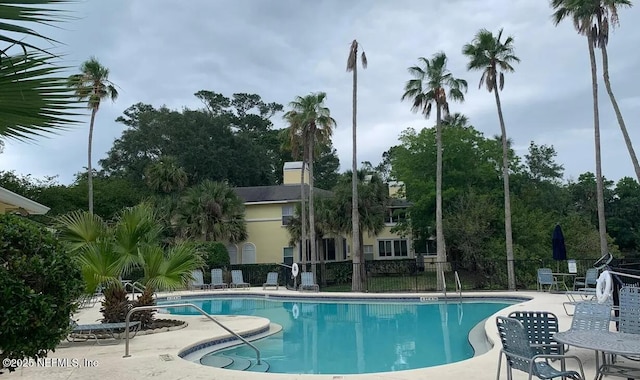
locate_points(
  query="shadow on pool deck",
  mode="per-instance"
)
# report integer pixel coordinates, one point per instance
(155, 356)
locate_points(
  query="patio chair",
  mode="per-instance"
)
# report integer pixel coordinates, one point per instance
(216, 279)
(540, 327)
(272, 280)
(198, 280)
(89, 300)
(545, 278)
(100, 331)
(629, 314)
(306, 282)
(588, 281)
(591, 316)
(237, 280)
(521, 356)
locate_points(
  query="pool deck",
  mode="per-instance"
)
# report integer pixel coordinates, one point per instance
(149, 352)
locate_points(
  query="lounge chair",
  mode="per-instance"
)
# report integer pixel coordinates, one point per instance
(520, 355)
(306, 282)
(237, 280)
(198, 280)
(545, 278)
(272, 280)
(100, 331)
(216, 279)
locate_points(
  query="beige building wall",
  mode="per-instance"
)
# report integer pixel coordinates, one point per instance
(266, 232)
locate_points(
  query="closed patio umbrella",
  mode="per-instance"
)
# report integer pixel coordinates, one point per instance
(557, 244)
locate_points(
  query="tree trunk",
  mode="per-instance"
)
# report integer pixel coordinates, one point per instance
(440, 243)
(616, 109)
(602, 225)
(303, 212)
(312, 215)
(511, 274)
(89, 166)
(356, 249)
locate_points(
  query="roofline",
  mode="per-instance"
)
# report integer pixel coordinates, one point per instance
(20, 202)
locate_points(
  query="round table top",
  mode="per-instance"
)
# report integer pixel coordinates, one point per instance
(605, 341)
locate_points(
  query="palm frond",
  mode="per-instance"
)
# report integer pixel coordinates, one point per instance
(79, 228)
(34, 99)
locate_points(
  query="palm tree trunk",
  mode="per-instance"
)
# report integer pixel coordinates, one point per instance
(511, 274)
(616, 109)
(89, 166)
(602, 225)
(303, 212)
(312, 215)
(440, 244)
(356, 250)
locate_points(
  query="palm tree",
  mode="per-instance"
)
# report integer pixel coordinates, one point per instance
(34, 96)
(211, 211)
(605, 13)
(166, 176)
(357, 284)
(495, 57)
(580, 12)
(296, 142)
(429, 87)
(313, 122)
(92, 85)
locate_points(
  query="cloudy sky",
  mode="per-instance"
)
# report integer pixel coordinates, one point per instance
(161, 52)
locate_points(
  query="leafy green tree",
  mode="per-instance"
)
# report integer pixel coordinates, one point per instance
(211, 211)
(310, 123)
(541, 163)
(39, 284)
(581, 12)
(357, 254)
(494, 57)
(434, 84)
(624, 218)
(93, 86)
(34, 97)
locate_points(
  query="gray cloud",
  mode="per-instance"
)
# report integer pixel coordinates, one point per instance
(162, 52)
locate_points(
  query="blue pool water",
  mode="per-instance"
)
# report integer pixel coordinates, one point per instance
(351, 338)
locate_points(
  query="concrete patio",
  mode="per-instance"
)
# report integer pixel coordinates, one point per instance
(155, 356)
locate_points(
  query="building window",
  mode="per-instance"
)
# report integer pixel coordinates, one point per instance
(329, 249)
(287, 214)
(396, 215)
(393, 248)
(287, 255)
(233, 254)
(368, 252)
(248, 253)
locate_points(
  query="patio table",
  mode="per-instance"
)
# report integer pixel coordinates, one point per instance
(615, 343)
(564, 276)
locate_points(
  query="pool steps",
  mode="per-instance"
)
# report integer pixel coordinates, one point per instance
(234, 362)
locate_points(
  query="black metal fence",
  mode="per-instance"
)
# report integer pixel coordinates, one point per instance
(408, 276)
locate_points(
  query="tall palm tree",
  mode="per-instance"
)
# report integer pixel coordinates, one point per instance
(433, 84)
(34, 95)
(314, 123)
(297, 143)
(92, 85)
(494, 57)
(605, 13)
(211, 211)
(357, 284)
(580, 11)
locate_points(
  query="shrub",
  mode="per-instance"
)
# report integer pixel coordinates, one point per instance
(39, 286)
(215, 255)
(144, 316)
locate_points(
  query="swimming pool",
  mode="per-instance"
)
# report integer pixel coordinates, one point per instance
(337, 337)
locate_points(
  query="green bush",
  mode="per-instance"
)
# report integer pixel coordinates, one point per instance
(215, 255)
(39, 285)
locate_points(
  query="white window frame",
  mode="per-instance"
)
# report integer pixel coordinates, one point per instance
(287, 214)
(393, 253)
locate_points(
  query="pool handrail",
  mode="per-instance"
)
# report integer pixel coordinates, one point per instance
(444, 284)
(141, 308)
(458, 284)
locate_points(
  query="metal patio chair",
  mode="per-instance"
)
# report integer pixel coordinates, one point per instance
(520, 355)
(545, 278)
(272, 280)
(237, 280)
(216, 279)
